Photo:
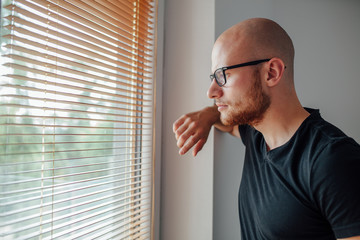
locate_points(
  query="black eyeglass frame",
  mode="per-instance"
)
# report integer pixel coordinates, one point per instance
(223, 69)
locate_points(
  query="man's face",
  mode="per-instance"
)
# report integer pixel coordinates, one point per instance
(242, 99)
(246, 108)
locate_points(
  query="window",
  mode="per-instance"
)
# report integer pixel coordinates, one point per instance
(76, 119)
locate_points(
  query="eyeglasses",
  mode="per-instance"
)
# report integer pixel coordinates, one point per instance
(220, 76)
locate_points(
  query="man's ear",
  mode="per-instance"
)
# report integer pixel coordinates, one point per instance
(275, 71)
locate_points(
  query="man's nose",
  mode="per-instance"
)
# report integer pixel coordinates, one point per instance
(214, 91)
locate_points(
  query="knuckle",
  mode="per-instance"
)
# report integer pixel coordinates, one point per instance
(180, 142)
(194, 140)
(185, 116)
(201, 133)
(195, 125)
(178, 132)
(188, 118)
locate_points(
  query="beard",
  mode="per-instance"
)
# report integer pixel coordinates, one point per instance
(252, 110)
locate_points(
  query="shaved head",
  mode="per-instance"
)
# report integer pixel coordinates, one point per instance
(253, 39)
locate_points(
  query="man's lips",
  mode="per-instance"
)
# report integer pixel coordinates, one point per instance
(221, 106)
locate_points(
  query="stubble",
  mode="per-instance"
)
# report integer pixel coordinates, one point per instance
(252, 109)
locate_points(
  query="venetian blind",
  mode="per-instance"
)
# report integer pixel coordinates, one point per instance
(76, 119)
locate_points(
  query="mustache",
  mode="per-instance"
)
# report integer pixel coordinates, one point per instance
(220, 103)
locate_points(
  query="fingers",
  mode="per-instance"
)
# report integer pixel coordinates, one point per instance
(185, 132)
(191, 130)
(191, 141)
(180, 131)
(178, 123)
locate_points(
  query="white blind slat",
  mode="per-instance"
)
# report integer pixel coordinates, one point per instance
(72, 103)
(75, 182)
(73, 206)
(71, 216)
(72, 167)
(113, 231)
(92, 65)
(72, 95)
(50, 193)
(76, 73)
(70, 175)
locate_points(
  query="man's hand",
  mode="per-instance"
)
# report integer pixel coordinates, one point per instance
(193, 129)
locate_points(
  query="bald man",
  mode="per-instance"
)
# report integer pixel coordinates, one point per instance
(301, 174)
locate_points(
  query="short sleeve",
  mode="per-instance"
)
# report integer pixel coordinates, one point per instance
(335, 185)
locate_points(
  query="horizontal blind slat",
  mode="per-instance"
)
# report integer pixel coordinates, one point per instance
(105, 12)
(81, 22)
(70, 200)
(81, 104)
(58, 185)
(126, 54)
(72, 79)
(110, 57)
(66, 110)
(82, 56)
(122, 14)
(93, 222)
(76, 166)
(128, 6)
(68, 175)
(62, 93)
(73, 118)
(87, 19)
(55, 160)
(82, 211)
(70, 63)
(56, 192)
(55, 126)
(117, 227)
(104, 24)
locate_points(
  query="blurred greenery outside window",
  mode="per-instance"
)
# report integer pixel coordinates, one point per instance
(76, 119)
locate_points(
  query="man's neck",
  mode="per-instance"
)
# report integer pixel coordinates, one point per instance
(280, 124)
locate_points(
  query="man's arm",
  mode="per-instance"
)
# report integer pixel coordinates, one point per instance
(192, 129)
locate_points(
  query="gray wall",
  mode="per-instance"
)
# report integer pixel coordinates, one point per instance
(326, 36)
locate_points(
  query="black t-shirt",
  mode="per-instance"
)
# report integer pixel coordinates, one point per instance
(308, 188)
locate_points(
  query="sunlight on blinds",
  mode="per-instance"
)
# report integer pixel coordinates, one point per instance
(76, 103)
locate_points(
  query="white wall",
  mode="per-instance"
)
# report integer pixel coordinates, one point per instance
(326, 36)
(187, 182)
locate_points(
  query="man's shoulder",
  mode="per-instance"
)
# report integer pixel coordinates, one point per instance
(320, 129)
(325, 141)
(321, 132)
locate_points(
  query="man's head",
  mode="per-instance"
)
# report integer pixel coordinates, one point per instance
(250, 90)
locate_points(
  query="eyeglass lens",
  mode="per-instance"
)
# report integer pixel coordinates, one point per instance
(220, 78)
